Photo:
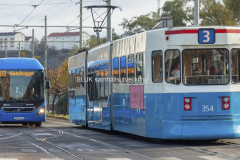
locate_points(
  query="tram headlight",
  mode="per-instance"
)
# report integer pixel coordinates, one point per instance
(226, 103)
(187, 104)
(225, 106)
(225, 99)
(187, 100)
(41, 111)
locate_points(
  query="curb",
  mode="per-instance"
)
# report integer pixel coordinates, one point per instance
(52, 116)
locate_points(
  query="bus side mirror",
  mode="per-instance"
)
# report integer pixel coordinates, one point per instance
(47, 84)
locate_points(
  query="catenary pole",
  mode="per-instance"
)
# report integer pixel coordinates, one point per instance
(33, 43)
(19, 45)
(109, 21)
(196, 12)
(45, 66)
(80, 27)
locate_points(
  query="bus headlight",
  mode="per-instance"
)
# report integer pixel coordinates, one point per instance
(41, 111)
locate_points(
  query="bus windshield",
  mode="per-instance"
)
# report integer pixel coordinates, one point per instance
(21, 85)
(205, 66)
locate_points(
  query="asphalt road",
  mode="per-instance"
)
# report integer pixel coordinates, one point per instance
(58, 139)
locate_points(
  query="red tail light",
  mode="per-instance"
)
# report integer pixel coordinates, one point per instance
(226, 103)
(187, 104)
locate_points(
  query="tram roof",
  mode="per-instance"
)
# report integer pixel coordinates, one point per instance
(20, 63)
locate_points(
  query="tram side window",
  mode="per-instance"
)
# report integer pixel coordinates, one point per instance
(82, 76)
(69, 79)
(157, 73)
(123, 74)
(172, 66)
(139, 67)
(73, 79)
(102, 80)
(97, 84)
(205, 66)
(235, 67)
(115, 70)
(106, 81)
(131, 77)
(78, 72)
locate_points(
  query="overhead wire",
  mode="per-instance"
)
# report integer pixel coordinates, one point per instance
(31, 12)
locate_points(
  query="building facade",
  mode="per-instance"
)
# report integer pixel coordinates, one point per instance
(66, 40)
(8, 41)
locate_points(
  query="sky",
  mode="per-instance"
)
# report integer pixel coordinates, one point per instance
(65, 13)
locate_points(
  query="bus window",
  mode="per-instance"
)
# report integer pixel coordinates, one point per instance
(139, 67)
(205, 66)
(157, 74)
(69, 79)
(82, 76)
(73, 78)
(102, 80)
(106, 80)
(78, 72)
(235, 54)
(123, 74)
(131, 77)
(172, 66)
(97, 83)
(115, 70)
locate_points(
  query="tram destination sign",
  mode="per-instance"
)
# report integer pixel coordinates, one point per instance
(206, 36)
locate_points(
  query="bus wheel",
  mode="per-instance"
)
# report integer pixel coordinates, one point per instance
(38, 124)
(31, 124)
(24, 124)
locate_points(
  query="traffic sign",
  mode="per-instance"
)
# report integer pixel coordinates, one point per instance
(23, 53)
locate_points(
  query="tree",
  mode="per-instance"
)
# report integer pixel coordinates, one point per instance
(92, 42)
(138, 24)
(59, 82)
(216, 13)
(74, 50)
(234, 7)
(180, 11)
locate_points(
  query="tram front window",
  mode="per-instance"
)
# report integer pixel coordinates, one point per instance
(21, 86)
(205, 66)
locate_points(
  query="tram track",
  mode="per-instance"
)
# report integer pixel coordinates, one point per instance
(55, 145)
(106, 144)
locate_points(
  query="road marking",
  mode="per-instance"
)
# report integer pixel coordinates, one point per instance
(212, 158)
(108, 149)
(168, 158)
(44, 150)
(8, 159)
(50, 159)
(43, 134)
(84, 150)
(118, 159)
(28, 150)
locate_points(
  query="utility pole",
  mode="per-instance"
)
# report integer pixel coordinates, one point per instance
(159, 8)
(5, 52)
(196, 12)
(45, 47)
(33, 43)
(47, 102)
(109, 21)
(80, 27)
(19, 45)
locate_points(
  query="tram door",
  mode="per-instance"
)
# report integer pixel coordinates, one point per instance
(97, 92)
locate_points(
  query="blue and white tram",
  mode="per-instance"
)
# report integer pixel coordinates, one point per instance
(169, 83)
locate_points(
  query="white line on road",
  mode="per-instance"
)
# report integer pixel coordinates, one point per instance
(212, 158)
(167, 158)
(44, 150)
